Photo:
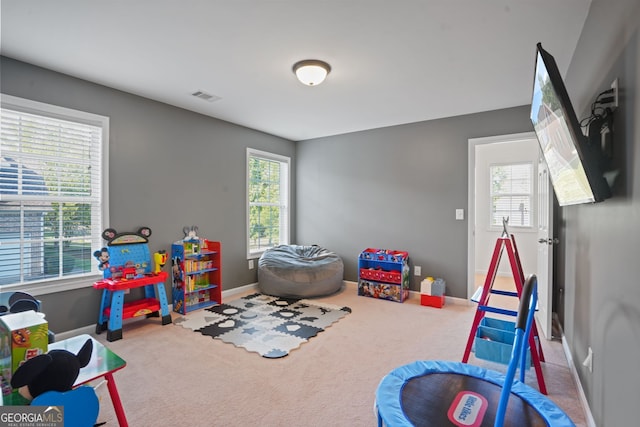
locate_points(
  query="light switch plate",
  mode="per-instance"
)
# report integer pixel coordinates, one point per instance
(459, 214)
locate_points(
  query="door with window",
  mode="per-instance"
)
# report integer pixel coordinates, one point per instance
(503, 182)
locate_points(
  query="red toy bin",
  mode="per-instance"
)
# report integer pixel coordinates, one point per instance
(384, 255)
(381, 275)
(432, 301)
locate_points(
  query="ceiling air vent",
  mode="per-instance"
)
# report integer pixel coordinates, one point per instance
(205, 96)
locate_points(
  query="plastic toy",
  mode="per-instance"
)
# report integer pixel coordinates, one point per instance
(17, 302)
(160, 259)
(384, 274)
(56, 370)
(190, 233)
(103, 257)
(129, 266)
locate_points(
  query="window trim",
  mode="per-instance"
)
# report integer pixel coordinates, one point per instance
(531, 194)
(44, 287)
(252, 152)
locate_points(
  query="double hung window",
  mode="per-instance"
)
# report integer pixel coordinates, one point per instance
(267, 201)
(511, 194)
(53, 201)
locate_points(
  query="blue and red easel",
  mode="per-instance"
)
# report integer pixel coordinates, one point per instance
(506, 242)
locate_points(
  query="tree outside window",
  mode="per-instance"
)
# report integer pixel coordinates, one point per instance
(268, 201)
(51, 201)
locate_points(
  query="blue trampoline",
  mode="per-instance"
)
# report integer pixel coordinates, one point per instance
(444, 393)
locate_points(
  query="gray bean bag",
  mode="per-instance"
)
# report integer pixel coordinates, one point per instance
(293, 271)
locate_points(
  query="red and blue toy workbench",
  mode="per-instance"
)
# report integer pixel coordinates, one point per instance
(126, 264)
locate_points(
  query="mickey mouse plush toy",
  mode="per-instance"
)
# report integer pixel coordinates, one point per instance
(103, 257)
(56, 370)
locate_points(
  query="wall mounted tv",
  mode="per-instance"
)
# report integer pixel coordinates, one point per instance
(573, 161)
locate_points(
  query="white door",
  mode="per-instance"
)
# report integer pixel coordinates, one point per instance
(543, 262)
(544, 269)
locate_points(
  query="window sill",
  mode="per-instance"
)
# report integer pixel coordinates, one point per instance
(513, 229)
(44, 288)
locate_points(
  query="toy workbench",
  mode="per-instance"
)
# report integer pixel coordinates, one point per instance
(126, 263)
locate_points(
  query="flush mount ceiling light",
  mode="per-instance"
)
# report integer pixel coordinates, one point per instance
(311, 72)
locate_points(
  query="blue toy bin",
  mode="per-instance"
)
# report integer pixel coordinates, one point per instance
(494, 341)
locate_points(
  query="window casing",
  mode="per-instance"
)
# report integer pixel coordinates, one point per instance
(53, 198)
(268, 178)
(511, 195)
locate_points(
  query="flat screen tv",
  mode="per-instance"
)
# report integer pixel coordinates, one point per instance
(573, 162)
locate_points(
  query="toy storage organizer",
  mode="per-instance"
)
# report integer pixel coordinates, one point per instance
(196, 282)
(383, 274)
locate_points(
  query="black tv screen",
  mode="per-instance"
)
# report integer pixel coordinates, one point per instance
(573, 164)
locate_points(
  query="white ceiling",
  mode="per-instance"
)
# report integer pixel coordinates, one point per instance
(393, 62)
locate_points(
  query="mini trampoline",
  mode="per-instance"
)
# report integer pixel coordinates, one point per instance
(444, 393)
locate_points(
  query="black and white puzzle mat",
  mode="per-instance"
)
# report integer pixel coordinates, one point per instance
(270, 326)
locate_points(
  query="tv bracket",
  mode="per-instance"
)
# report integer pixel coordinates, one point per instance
(600, 140)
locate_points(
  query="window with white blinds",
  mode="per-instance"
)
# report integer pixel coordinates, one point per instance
(52, 204)
(267, 201)
(511, 194)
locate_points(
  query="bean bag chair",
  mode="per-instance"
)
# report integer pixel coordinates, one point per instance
(293, 271)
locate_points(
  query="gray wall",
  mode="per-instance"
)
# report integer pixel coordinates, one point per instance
(598, 260)
(168, 168)
(396, 188)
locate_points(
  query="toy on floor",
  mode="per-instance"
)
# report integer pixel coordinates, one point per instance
(129, 266)
(56, 370)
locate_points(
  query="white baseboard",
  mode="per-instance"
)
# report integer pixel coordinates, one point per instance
(447, 299)
(230, 292)
(416, 294)
(574, 373)
(91, 329)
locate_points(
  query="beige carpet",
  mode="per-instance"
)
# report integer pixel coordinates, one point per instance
(177, 378)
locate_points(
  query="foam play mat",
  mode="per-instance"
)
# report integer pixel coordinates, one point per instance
(268, 325)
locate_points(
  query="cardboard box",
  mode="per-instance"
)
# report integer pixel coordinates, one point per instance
(432, 301)
(22, 336)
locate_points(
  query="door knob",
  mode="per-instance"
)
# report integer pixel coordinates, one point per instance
(549, 241)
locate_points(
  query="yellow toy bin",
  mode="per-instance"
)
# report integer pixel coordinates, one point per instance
(22, 336)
